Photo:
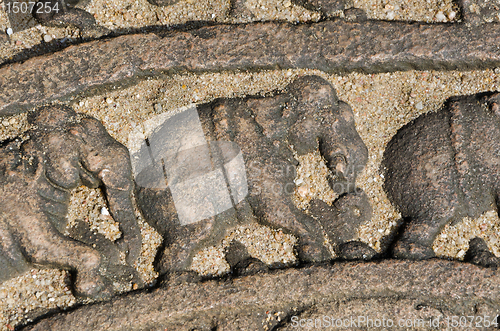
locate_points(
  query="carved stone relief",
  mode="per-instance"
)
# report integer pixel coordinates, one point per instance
(303, 139)
(38, 170)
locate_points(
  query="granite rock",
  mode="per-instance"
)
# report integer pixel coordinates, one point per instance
(239, 10)
(480, 254)
(477, 12)
(163, 2)
(69, 15)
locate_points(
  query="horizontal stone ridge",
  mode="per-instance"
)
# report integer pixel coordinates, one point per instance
(332, 46)
(396, 288)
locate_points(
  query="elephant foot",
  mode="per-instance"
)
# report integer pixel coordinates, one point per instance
(241, 262)
(407, 249)
(479, 254)
(93, 286)
(312, 251)
(355, 250)
(249, 267)
(123, 274)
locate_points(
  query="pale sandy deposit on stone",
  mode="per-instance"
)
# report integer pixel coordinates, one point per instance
(312, 181)
(90, 206)
(381, 104)
(11, 127)
(385, 102)
(431, 11)
(271, 246)
(454, 240)
(35, 290)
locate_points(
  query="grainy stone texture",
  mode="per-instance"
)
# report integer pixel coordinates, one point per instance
(332, 46)
(480, 254)
(381, 104)
(163, 2)
(369, 91)
(239, 10)
(390, 289)
(443, 167)
(69, 16)
(307, 117)
(75, 18)
(37, 172)
(430, 11)
(480, 11)
(328, 8)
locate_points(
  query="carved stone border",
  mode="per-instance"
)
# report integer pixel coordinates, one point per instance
(332, 46)
(390, 289)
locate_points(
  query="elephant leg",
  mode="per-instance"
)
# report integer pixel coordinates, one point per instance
(480, 254)
(342, 222)
(418, 237)
(271, 199)
(11, 258)
(47, 246)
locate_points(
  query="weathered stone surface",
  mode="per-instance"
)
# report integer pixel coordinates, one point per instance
(308, 116)
(54, 8)
(73, 17)
(355, 14)
(163, 2)
(332, 46)
(443, 167)
(3, 37)
(239, 10)
(386, 289)
(480, 11)
(480, 254)
(61, 152)
(68, 15)
(326, 7)
(241, 261)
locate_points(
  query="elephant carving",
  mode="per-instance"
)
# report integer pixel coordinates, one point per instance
(442, 167)
(37, 172)
(307, 116)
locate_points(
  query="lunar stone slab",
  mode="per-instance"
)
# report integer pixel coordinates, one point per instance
(308, 116)
(332, 46)
(389, 289)
(442, 167)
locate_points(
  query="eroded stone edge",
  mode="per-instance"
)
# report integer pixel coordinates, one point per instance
(454, 288)
(331, 46)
